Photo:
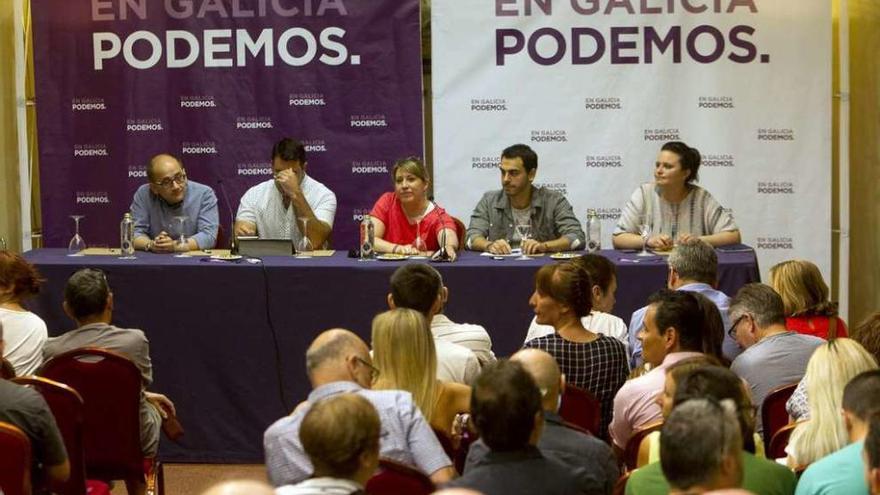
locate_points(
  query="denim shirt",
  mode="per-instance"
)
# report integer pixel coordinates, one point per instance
(551, 218)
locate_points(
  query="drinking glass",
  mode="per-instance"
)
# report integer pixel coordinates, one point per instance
(419, 243)
(524, 230)
(77, 243)
(645, 232)
(304, 247)
(180, 222)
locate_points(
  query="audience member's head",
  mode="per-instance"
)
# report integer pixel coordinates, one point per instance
(861, 399)
(545, 371)
(339, 355)
(802, 288)
(692, 261)
(603, 274)
(674, 374)
(506, 407)
(867, 333)
(417, 286)
(403, 350)
(563, 291)
(872, 454)
(701, 446)
(18, 278)
(713, 327)
(340, 434)
(240, 487)
(754, 311)
(673, 323)
(87, 294)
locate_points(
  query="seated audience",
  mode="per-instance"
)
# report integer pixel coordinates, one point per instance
(867, 333)
(168, 195)
(25, 408)
(405, 217)
(589, 360)
(340, 434)
(843, 471)
(805, 297)
(25, 332)
(773, 356)
(603, 274)
(551, 222)
(240, 487)
(559, 441)
(338, 361)
(403, 351)
(830, 368)
(673, 331)
(420, 287)
(88, 301)
(693, 267)
(506, 411)
(695, 379)
(871, 455)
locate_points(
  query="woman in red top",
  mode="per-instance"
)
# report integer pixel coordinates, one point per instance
(398, 216)
(805, 295)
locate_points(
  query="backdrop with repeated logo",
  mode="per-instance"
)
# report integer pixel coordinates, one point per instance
(217, 84)
(597, 86)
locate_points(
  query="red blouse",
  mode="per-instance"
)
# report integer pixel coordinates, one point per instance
(814, 325)
(398, 230)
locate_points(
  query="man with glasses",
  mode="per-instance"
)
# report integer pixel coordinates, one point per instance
(167, 195)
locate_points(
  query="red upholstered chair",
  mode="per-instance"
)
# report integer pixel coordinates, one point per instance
(620, 486)
(631, 453)
(15, 461)
(110, 385)
(67, 407)
(394, 478)
(6, 369)
(581, 408)
(773, 413)
(460, 231)
(777, 445)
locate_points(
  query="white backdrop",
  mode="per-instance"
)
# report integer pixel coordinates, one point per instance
(595, 95)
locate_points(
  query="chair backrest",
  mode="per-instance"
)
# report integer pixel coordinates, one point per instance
(15, 461)
(631, 453)
(460, 231)
(67, 408)
(394, 478)
(7, 371)
(110, 386)
(773, 413)
(620, 485)
(777, 445)
(581, 408)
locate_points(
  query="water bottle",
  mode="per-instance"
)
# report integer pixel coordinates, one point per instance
(368, 236)
(126, 236)
(594, 231)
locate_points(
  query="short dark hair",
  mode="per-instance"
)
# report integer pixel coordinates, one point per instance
(681, 310)
(867, 333)
(504, 403)
(336, 431)
(415, 286)
(713, 328)
(289, 149)
(690, 157)
(872, 441)
(601, 270)
(523, 152)
(861, 396)
(762, 302)
(566, 283)
(86, 293)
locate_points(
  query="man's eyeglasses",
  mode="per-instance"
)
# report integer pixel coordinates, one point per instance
(374, 371)
(179, 179)
(732, 330)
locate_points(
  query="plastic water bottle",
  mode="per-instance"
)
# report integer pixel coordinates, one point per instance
(368, 236)
(126, 237)
(594, 231)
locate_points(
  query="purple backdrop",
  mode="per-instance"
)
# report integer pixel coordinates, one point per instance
(117, 82)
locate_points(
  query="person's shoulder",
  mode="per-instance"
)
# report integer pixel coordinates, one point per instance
(199, 187)
(319, 186)
(451, 349)
(491, 196)
(20, 396)
(284, 426)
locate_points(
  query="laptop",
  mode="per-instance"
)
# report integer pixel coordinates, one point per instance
(255, 247)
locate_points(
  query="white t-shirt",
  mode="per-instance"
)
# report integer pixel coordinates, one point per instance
(263, 205)
(455, 363)
(24, 334)
(597, 321)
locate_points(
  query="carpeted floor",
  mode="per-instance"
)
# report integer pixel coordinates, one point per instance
(192, 479)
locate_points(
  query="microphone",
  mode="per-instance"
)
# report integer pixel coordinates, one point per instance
(442, 254)
(233, 246)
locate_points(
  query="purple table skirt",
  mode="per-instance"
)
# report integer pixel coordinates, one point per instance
(231, 373)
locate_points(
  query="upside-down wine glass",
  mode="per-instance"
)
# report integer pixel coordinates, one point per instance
(77, 243)
(524, 230)
(645, 232)
(304, 247)
(181, 239)
(419, 243)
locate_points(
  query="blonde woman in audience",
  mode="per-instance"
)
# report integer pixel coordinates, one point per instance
(25, 332)
(805, 297)
(831, 367)
(403, 351)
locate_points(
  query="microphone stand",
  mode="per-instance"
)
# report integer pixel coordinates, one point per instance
(233, 245)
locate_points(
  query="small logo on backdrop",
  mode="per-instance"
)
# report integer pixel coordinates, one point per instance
(143, 125)
(315, 145)
(670, 134)
(87, 104)
(549, 136)
(603, 104)
(253, 123)
(606, 213)
(357, 214)
(559, 187)
(374, 120)
(603, 161)
(198, 148)
(137, 171)
(722, 160)
(92, 197)
(715, 102)
(254, 168)
(775, 134)
(306, 100)
(775, 187)
(484, 162)
(90, 150)
(197, 102)
(369, 167)
(775, 243)
(488, 105)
